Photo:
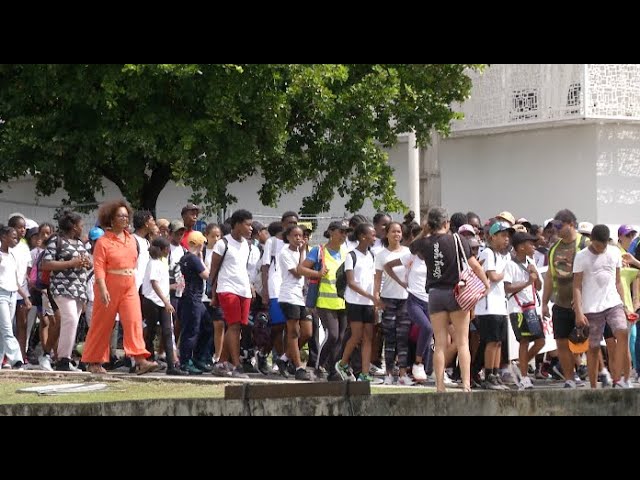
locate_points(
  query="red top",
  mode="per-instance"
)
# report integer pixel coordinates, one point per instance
(111, 253)
(185, 238)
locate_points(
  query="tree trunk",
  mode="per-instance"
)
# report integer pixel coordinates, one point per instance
(153, 187)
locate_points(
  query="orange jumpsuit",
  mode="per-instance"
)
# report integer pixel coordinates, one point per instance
(111, 253)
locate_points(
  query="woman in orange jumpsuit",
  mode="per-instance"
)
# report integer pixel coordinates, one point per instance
(115, 257)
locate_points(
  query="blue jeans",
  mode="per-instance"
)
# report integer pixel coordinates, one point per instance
(9, 346)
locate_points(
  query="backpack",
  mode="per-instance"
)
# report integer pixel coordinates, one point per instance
(341, 274)
(261, 331)
(42, 278)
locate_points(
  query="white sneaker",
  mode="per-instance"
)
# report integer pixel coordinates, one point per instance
(605, 378)
(419, 375)
(447, 380)
(45, 363)
(389, 380)
(405, 381)
(570, 385)
(621, 384)
(376, 371)
(507, 377)
(525, 384)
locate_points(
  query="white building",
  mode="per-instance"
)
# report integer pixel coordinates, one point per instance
(538, 138)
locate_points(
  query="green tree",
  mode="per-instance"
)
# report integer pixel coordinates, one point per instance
(210, 125)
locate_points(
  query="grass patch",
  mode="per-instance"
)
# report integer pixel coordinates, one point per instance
(118, 392)
(401, 391)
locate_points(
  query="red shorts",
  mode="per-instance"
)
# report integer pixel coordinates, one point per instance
(236, 309)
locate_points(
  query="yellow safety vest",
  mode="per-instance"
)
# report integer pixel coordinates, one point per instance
(327, 293)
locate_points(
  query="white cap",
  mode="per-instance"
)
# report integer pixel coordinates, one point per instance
(467, 229)
(29, 224)
(585, 228)
(547, 222)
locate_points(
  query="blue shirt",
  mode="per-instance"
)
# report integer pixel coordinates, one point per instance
(313, 255)
(192, 267)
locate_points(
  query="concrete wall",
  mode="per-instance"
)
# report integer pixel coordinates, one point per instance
(531, 173)
(618, 173)
(530, 403)
(20, 196)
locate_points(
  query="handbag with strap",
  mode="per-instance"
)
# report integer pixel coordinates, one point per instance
(313, 291)
(529, 311)
(470, 288)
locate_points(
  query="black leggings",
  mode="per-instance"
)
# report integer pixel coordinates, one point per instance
(154, 314)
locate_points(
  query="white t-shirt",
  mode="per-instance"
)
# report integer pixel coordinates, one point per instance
(9, 272)
(363, 276)
(291, 287)
(272, 248)
(23, 257)
(233, 276)
(540, 259)
(255, 269)
(157, 270)
(143, 259)
(496, 302)
(514, 273)
(208, 255)
(599, 292)
(416, 276)
(390, 289)
(378, 247)
(177, 252)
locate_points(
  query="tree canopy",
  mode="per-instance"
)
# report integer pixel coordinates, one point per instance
(210, 125)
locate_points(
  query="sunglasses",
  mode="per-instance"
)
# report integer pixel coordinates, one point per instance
(558, 225)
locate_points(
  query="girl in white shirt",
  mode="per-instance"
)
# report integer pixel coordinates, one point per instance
(395, 321)
(291, 299)
(361, 302)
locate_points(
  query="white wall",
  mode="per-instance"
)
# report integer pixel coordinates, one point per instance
(531, 173)
(20, 196)
(618, 170)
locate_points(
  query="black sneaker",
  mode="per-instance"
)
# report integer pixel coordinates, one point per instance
(63, 365)
(203, 366)
(282, 368)
(190, 368)
(263, 366)
(175, 371)
(291, 368)
(302, 375)
(334, 377)
(247, 367)
(18, 366)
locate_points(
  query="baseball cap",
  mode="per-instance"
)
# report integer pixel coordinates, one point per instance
(507, 216)
(625, 230)
(30, 224)
(338, 225)
(548, 222)
(31, 232)
(257, 227)
(524, 221)
(196, 238)
(522, 237)
(500, 227)
(467, 229)
(579, 340)
(188, 207)
(176, 225)
(585, 228)
(95, 233)
(519, 228)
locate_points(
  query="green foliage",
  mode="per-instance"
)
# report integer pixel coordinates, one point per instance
(210, 125)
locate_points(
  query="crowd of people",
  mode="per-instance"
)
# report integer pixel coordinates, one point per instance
(397, 302)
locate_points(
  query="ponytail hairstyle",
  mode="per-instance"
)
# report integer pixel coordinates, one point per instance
(158, 245)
